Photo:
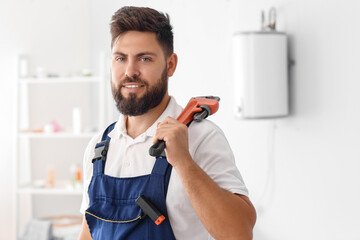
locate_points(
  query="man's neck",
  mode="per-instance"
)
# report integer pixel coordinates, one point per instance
(136, 125)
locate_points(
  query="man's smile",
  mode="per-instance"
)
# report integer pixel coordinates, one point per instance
(132, 87)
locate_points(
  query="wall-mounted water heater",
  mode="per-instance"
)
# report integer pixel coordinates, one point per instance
(260, 71)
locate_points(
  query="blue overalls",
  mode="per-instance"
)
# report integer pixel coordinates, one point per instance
(113, 213)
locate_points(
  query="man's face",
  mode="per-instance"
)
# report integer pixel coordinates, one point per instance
(139, 73)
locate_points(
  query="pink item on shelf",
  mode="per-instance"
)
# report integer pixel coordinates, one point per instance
(56, 126)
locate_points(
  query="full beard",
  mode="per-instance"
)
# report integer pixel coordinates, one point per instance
(133, 106)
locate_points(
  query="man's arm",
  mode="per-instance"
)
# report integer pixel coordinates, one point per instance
(85, 231)
(225, 215)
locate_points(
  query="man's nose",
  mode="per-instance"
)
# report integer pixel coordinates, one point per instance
(132, 69)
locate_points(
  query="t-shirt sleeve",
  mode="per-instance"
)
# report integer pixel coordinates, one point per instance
(213, 154)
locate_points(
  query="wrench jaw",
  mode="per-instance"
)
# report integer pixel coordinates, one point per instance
(206, 111)
(197, 105)
(210, 97)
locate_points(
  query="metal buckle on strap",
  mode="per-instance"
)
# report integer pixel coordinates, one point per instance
(101, 151)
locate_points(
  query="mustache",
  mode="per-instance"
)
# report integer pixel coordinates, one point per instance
(134, 79)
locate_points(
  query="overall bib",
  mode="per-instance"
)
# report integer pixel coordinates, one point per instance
(113, 213)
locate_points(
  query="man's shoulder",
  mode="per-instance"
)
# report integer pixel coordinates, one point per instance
(204, 127)
(204, 132)
(96, 138)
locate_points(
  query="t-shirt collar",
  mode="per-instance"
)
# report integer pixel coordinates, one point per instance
(173, 110)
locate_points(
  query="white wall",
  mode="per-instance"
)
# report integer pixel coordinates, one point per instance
(314, 187)
(302, 171)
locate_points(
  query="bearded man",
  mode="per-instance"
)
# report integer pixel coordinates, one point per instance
(196, 187)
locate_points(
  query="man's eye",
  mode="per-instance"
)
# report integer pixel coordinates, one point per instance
(145, 59)
(120, 59)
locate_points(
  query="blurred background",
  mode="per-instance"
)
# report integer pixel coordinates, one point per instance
(302, 170)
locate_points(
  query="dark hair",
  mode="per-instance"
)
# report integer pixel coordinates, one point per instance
(143, 20)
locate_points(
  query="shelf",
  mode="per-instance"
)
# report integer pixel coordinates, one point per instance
(61, 189)
(57, 135)
(37, 151)
(50, 80)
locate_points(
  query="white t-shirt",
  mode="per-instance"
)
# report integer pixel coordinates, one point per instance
(129, 157)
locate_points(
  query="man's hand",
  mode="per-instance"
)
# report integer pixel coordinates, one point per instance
(175, 136)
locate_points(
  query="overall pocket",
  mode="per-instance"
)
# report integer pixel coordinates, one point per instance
(116, 219)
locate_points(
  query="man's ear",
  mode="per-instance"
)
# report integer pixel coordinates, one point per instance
(171, 64)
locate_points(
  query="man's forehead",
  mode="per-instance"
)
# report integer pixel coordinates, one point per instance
(136, 41)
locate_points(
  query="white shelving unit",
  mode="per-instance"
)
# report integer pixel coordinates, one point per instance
(55, 135)
(38, 153)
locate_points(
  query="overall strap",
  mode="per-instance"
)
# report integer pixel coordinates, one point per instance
(101, 150)
(105, 135)
(162, 168)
